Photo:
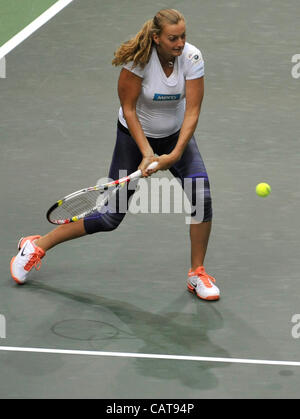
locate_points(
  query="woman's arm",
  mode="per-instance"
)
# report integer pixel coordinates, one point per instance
(129, 89)
(194, 98)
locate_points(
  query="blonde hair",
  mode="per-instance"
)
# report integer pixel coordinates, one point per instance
(138, 49)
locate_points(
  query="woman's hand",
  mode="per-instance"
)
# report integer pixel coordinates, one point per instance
(145, 163)
(165, 162)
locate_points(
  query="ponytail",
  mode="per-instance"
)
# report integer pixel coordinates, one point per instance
(138, 49)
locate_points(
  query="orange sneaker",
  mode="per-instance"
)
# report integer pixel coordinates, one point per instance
(29, 256)
(202, 284)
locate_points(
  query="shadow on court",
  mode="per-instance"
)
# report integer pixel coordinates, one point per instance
(168, 332)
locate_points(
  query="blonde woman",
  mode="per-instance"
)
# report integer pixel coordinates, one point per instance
(161, 87)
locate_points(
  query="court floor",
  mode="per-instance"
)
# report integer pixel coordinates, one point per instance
(125, 292)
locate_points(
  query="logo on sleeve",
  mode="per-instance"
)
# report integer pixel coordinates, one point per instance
(194, 57)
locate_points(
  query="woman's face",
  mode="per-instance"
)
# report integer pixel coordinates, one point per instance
(171, 40)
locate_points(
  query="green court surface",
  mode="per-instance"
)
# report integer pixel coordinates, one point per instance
(125, 291)
(16, 14)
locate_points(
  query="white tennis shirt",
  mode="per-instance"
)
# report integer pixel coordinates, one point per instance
(161, 105)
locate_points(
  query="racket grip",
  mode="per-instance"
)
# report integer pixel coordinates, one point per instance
(138, 173)
(152, 165)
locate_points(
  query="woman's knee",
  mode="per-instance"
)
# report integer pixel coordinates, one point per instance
(103, 222)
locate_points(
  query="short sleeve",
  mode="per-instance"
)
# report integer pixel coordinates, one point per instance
(194, 64)
(138, 71)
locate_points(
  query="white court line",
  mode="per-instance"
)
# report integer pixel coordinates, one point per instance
(33, 26)
(151, 356)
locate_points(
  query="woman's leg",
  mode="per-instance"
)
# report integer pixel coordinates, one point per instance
(199, 235)
(191, 171)
(126, 158)
(32, 249)
(61, 234)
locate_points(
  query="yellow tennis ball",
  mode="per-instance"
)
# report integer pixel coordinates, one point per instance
(263, 189)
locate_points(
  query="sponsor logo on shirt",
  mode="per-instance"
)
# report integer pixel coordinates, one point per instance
(194, 57)
(160, 97)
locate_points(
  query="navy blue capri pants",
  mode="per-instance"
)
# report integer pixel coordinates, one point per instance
(127, 157)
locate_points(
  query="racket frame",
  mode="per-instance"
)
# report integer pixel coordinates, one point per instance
(115, 185)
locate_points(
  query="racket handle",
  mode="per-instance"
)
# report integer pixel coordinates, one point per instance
(138, 173)
(152, 165)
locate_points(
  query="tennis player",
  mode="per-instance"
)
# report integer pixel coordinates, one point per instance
(161, 88)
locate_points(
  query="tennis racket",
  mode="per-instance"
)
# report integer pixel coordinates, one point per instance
(87, 201)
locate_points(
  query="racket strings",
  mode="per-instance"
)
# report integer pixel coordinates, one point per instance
(90, 202)
(77, 205)
(96, 199)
